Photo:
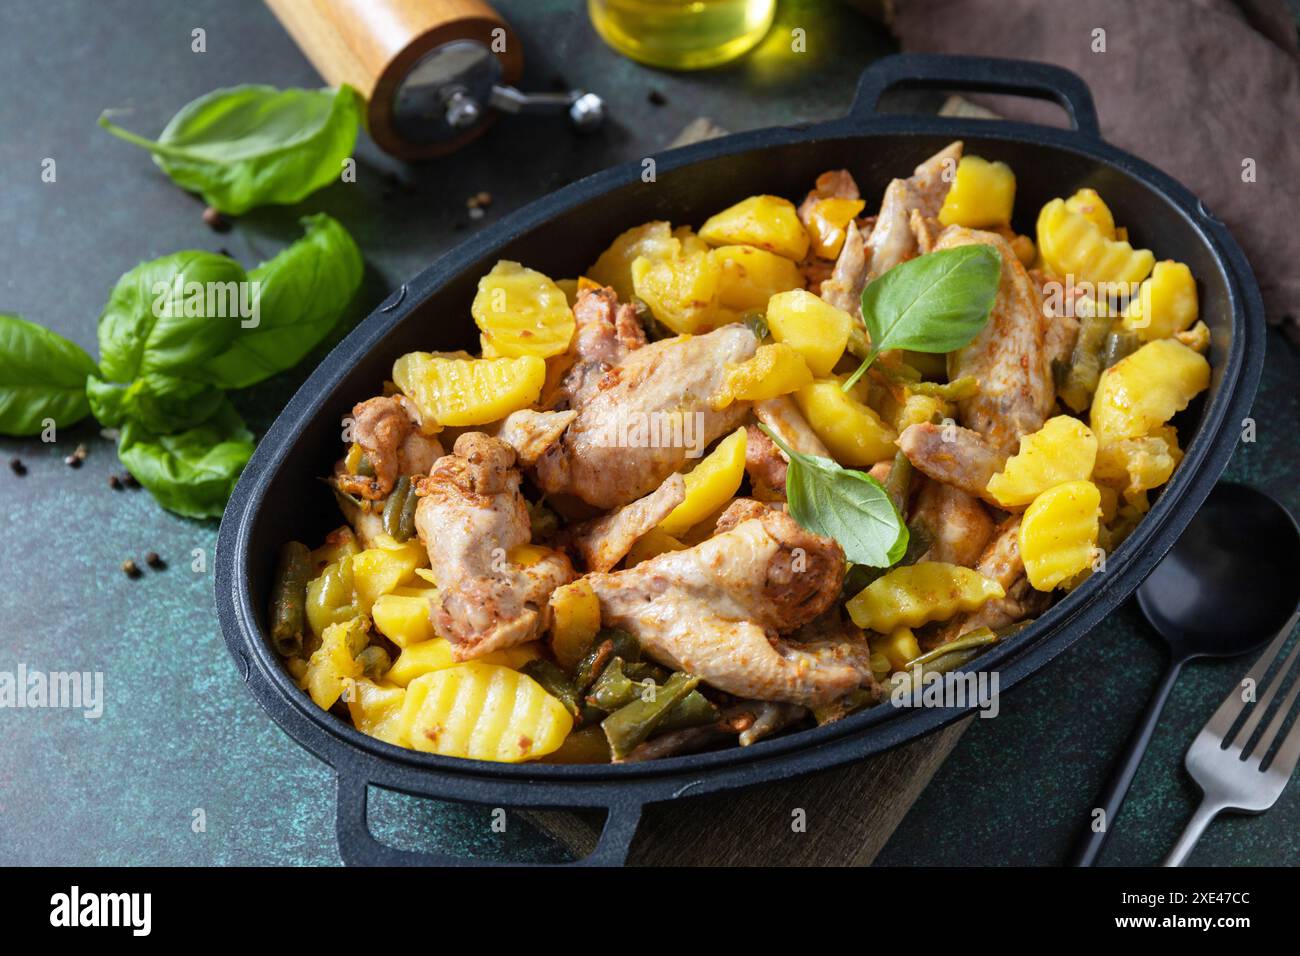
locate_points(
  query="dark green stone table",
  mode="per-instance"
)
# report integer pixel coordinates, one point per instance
(179, 733)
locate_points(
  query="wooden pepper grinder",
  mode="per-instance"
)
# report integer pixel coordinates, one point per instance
(433, 72)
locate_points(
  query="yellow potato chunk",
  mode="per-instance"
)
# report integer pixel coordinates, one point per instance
(376, 710)
(403, 616)
(429, 656)
(709, 485)
(981, 195)
(681, 292)
(853, 432)
(1136, 465)
(1146, 389)
(575, 620)
(1165, 305)
(650, 545)
(1087, 203)
(900, 648)
(768, 222)
(377, 571)
(522, 312)
(828, 224)
(916, 594)
(775, 369)
(752, 276)
(483, 712)
(454, 391)
(333, 666)
(1071, 244)
(1064, 449)
(815, 329)
(651, 240)
(1058, 533)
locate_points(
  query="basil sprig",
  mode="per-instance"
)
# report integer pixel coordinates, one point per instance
(42, 378)
(933, 303)
(247, 146)
(847, 505)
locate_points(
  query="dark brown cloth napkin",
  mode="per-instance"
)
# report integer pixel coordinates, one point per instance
(1196, 87)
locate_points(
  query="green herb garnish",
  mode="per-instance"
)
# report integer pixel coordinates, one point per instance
(933, 303)
(247, 146)
(847, 505)
(42, 378)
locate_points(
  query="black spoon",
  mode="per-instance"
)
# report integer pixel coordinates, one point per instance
(1225, 588)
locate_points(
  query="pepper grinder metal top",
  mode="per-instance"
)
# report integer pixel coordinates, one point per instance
(434, 73)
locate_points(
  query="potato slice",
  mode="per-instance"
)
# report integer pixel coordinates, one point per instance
(522, 312)
(814, 328)
(981, 196)
(853, 432)
(1064, 449)
(651, 240)
(751, 276)
(774, 370)
(916, 594)
(376, 710)
(1146, 389)
(768, 222)
(1058, 534)
(1165, 305)
(457, 392)
(709, 485)
(429, 656)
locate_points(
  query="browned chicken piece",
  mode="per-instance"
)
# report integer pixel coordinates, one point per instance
(765, 465)
(958, 524)
(1008, 356)
(604, 542)
(470, 517)
(844, 288)
(892, 240)
(530, 433)
(953, 455)
(716, 610)
(782, 415)
(925, 230)
(605, 331)
(388, 430)
(645, 417)
(1000, 562)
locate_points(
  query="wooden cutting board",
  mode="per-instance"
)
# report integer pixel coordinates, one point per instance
(848, 814)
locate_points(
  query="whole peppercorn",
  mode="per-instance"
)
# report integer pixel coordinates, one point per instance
(130, 568)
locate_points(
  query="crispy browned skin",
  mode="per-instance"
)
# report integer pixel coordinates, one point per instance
(953, 455)
(605, 332)
(959, 526)
(645, 416)
(471, 515)
(387, 429)
(765, 465)
(1009, 356)
(603, 542)
(716, 609)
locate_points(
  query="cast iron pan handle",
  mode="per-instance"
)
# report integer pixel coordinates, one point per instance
(979, 74)
(358, 846)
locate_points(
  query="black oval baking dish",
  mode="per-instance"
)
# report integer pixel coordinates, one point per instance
(279, 496)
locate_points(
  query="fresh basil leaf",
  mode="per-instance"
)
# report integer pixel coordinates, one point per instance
(42, 376)
(933, 303)
(194, 471)
(161, 403)
(847, 505)
(171, 315)
(303, 292)
(248, 146)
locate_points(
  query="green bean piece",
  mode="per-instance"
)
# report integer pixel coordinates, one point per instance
(899, 483)
(919, 540)
(554, 682)
(1085, 361)
(947, 657)
(394, 506)
(609, 643)
(958, 390)
(695, 710)
(1011, 629)
(289, 598)
(756, 322)
(1120, 345)
(633, 723)
(406, 524)
(653, 328)
(330, 597)
(643, 670)
(374, 661)
(614, 689)
(859, 342)
(365, 468)
(858, 577)
(585, 745)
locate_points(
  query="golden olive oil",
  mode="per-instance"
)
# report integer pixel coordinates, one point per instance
(682, 34)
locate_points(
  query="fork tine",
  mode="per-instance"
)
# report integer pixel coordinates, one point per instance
(1284, 760)
(1265, 702)
(1232, 705)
